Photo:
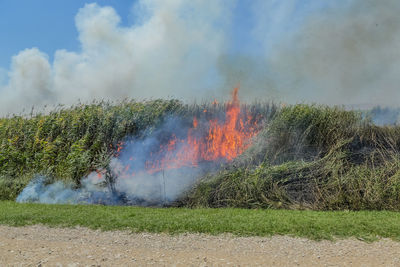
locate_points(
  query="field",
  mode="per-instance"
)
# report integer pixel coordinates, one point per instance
(317, 225)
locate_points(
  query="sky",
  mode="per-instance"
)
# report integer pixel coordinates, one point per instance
(50, 25)
(328, 52)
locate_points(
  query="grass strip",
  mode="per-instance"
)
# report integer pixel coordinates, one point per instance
(316, 225)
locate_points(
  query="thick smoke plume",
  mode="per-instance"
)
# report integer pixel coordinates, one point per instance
(169, 52)
(346, 54)
(340, 52)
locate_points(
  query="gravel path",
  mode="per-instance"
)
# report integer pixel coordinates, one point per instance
(43, 246)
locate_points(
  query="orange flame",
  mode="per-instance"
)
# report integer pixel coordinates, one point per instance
(223, 141)
(212, 140)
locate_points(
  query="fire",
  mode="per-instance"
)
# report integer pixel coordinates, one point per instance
(216, 135)
(222, 140)
(216, 140)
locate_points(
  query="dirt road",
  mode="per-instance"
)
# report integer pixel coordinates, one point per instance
(42, 246)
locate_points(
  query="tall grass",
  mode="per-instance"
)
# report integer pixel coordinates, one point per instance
(68, 143)
(311, 157)
(305, 156)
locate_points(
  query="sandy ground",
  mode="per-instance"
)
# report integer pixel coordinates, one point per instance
(42, 246)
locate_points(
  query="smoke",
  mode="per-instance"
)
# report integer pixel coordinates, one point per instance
(3, 77)
(30, 77)
(143, 189)
(330, 52)
(384, 116)
(347, 54)
(39, 191)
(341, 52)
(170, 52)
(130, 178)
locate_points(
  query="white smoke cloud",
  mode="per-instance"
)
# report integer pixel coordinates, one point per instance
(3, 77)
(39, 191)
(332, 52)
(344, 54)
(172, 51)
(29, 81)
(341, 52)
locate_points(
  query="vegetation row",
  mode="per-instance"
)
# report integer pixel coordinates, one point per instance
(305, 156)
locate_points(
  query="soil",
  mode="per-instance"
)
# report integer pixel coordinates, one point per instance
(43, 246)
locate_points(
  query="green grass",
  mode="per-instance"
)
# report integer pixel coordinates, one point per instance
(317, 225)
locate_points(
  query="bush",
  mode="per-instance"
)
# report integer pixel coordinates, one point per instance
(310, 157)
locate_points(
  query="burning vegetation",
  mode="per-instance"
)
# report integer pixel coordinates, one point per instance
(209, 155)
(207, 140)
(177, 152)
